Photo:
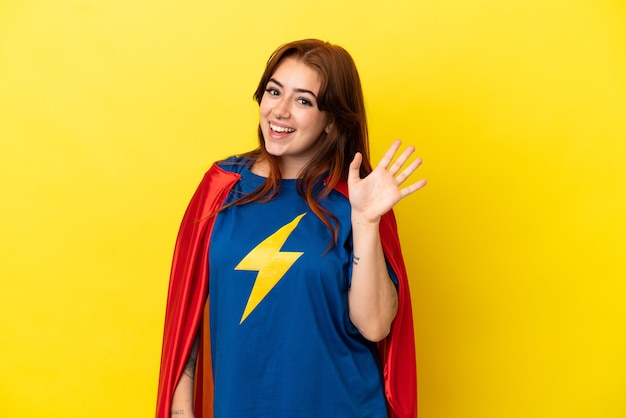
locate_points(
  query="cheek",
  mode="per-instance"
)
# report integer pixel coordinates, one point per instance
(319, 122)
(264, 107)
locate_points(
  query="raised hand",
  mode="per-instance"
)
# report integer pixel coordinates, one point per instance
(373, 196)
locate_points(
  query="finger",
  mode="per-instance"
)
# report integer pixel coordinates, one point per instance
(400, 178)
(388, 157)
(355, 167)
(412, 188)
(401, 160)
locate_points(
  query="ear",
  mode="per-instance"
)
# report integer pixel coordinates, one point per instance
(329, 126)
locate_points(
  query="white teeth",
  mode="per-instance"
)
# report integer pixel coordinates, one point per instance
(281, 129)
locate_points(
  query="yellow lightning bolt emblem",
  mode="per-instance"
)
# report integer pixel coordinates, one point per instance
(270, 262)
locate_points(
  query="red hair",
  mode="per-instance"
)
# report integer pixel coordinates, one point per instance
(341, 96)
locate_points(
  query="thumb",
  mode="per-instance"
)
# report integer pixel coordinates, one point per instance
(355, 165)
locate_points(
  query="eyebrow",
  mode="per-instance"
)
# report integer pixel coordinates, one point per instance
(298, 90)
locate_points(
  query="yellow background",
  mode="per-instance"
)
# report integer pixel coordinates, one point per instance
(110, 111)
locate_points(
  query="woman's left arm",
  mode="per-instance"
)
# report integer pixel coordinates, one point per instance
(373, 299)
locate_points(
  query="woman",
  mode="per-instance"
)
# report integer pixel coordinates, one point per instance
(309, 312)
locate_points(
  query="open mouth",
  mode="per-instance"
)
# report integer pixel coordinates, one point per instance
(281, 129)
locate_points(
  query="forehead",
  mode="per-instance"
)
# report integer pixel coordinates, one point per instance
(293, 73)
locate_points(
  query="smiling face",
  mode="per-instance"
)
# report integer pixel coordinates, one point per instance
(290, 120)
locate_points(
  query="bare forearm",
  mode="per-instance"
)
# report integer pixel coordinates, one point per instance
(182, 413)
(373, 297)
(182, 400)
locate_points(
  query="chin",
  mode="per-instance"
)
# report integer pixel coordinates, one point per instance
(273, 148)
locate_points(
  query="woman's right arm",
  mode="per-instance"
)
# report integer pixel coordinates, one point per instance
(182, 402)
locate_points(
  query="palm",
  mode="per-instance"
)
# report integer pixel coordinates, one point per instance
(373, 196)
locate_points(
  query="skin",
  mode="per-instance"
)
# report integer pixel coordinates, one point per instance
(373, 299)
(291, 125)
(182, 400)
(290, 103)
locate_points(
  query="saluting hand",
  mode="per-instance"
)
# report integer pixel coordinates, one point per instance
(373, 196)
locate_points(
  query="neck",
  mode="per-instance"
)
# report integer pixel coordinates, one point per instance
(261, 167)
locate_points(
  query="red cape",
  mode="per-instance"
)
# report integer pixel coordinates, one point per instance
(188, 303)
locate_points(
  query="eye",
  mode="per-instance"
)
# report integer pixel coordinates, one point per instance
(272, 91)
(305, 102)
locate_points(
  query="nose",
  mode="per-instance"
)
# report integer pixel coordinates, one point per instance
(281, 110)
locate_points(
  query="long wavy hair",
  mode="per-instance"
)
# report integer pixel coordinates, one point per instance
(341, 96)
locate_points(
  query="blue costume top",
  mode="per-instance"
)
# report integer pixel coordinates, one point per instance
(282, 341)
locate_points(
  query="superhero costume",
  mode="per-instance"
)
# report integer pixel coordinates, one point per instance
(188, 298)
(283, 344)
